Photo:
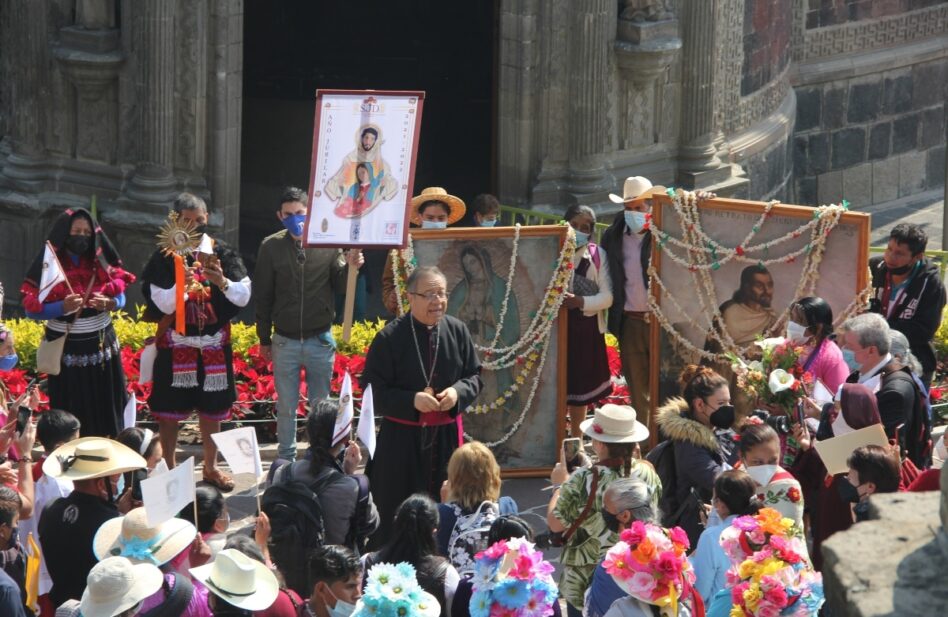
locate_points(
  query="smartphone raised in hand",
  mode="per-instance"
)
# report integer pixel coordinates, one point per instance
(23, 416)
(571, 448)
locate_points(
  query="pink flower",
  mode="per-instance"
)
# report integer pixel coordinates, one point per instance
(775, 594)
(679, 536)
(737, 593)
(498, 610)
(641, 585)
(784, 549)
(765, 609)
(745, 523)
(669, 566)
(496, 551)
(634, 535)
(618, 561)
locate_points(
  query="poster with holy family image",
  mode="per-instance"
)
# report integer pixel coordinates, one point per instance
(728, 270)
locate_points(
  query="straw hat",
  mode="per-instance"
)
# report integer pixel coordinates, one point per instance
(115, 585)
(130, 536)
(614, 424)
(635, 188)
(91, 457)
(456, 207)
(239, 580)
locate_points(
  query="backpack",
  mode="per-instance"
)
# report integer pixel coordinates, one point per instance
(296, 521)
(469, 535)
(915, 435)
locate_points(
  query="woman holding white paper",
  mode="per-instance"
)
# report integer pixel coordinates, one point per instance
(855, 409)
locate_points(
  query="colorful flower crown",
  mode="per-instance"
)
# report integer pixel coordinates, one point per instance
(511, 579)
(393, 591)
(771, 575)
(649, 563)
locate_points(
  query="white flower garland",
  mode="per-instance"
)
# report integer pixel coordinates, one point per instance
(705, 258)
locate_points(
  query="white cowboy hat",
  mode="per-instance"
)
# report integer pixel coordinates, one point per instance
(115, 585)
(456, 207)
(130, 536)
(636, 187)
(614, 424)
(239, 580)
(91, 457)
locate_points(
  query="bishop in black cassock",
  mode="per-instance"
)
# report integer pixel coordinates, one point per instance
(424, 372)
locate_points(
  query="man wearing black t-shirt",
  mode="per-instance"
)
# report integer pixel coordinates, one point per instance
(68, 525)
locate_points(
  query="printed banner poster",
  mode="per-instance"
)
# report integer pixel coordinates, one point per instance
(363, 168)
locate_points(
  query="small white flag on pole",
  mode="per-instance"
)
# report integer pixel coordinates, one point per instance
(166, 494)
(239, 448)
(366, 428)
(52, 272)
(344, 418)
(131, 410)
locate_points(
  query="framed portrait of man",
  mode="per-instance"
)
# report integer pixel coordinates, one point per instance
(363, 167)
(497, 289)
(727, 271)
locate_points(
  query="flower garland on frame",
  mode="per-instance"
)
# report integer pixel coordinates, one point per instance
(707, 256)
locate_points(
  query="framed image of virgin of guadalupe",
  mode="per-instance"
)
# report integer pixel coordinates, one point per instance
(363, 167)
(725, 272)
(505, 284)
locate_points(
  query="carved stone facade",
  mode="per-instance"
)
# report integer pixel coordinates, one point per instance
(131, 101)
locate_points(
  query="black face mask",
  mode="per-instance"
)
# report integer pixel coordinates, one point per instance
(847, 492)
(902, 270)
(78, 245)
(200, 229)
(722, 417)
(611, 520)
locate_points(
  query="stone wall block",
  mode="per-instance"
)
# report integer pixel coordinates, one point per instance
(857, 185)
(864, 102)
(880, 138)
(849, 147)
(806, 191)
(809, 104)
(818, 151)
(885, 180)
(935, 168)
(897, 97)
(830, 187)
(931, 128)
(904, 134)
(912, 173)
(834, 107)
(924, 76)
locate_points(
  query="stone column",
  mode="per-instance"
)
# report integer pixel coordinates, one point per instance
(153, 181)
(698, 152)
(591, 40)
(25, 45)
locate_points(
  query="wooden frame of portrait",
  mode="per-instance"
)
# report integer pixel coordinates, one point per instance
(395, 117)
(537, 420)
(727, 222)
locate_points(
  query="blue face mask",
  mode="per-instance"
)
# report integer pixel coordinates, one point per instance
(434, 224)
(582, 238)
(849, 357)
(635, 221)
(294, 224)
(488, 223)
(7, 363)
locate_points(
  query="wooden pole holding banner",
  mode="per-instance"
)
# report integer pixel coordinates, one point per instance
(350, 303)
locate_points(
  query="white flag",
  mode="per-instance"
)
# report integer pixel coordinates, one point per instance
(239, 448)
(131, 409)
(366, 428)
(344, 417)
(166, 494)
(52, 272)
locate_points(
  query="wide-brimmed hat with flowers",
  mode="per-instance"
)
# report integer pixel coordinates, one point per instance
(650, 564)
(614, 424)
(130, 536)
(394, 590)
(770, 572)
(455, 205)
(512, 578)
(91, 457)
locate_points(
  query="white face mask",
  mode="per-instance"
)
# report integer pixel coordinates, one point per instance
(434, 224)
(795, 331)
(342, 608)
(839, 425)
(762, 473)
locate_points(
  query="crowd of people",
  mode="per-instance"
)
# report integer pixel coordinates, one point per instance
(426, 529)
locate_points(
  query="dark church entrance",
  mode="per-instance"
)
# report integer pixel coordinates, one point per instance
(291, 48)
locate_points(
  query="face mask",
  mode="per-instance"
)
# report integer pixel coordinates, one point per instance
(849, 357)
(434, 224)
(611, 520)
(200, 229)
(342, 608)
(840, 427)
(8, 362)
(902, 270)
(847, 492)
(77, 245)
(795, 331)
(488, 223)
(582, 239)
(761, 473)
(294, 224)
(635, 221)
(723, 416)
